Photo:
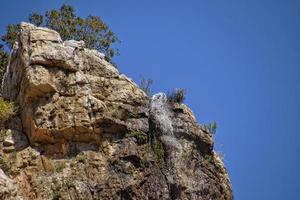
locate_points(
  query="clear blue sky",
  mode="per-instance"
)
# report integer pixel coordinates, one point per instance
(239, 61)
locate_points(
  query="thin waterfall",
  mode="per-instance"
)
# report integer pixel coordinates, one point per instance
(159, 107)
(161, 116)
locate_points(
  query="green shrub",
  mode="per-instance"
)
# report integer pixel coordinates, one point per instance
(3, 62)
(158, 149)
(182, 141)
(139, 135)
(56, 195)
(176, 96)
(3, 134)
(4, 165)
(59, 166)
(135, 113)
(211, 127)
(80, 158)
(6, 110)
(56, 187)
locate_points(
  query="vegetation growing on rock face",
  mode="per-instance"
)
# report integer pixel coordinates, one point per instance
(158, 149)
(139, 135)
(3, 62)
(80, 158)
(4, 165)
(60, 165)
(6, 110)
(176, 96)
(146, 85)
(92, 30)
(211, 127)
(55, 189)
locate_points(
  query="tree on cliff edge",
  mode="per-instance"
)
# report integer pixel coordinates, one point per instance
(92, 30)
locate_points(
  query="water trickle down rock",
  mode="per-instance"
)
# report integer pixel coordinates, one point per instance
(160, 115)
(187, 150)
(160, 112)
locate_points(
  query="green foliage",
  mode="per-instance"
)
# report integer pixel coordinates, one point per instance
(6, 110)
(115, 112)
(12, 31)
(135, 113)
(60, 165)
(92, 30)
(55, 187)
(69, 182)
(182, 141)
(56, 195)
(63, 21)
(3, 62)
(139, 135)
(211, 127)
(4, 165)
(3, 134)
(158, 149)
(207, 159)
(145, 85)
(36, 19)
(176, 96)
(80, 158)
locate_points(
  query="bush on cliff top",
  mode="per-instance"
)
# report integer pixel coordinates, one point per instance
(92, 30)
(176, 96)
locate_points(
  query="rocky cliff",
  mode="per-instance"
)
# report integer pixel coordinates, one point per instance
(83, 130)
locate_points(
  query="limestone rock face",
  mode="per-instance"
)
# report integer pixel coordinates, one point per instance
(83, 130)
(68, 93)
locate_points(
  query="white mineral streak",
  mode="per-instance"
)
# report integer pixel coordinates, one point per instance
(159, 107)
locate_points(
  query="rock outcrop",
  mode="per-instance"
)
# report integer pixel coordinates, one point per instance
(83, 130)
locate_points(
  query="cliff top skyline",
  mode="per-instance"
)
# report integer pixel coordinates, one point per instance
(239, 62)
